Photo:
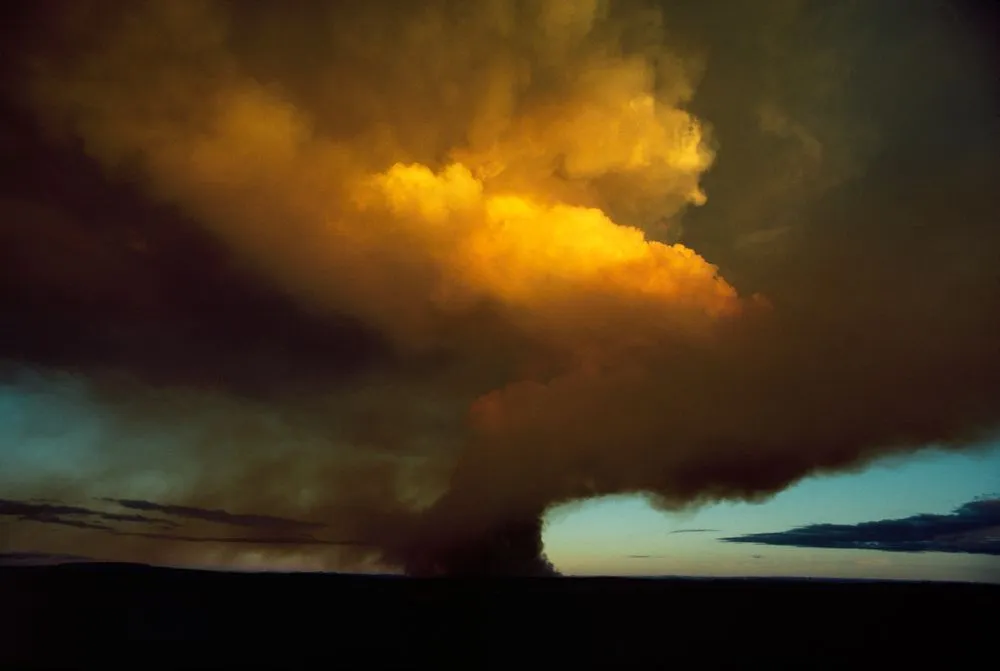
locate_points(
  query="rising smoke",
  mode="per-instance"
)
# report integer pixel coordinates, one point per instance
(493, 193)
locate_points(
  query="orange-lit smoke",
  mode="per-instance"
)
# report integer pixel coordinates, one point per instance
(514, 209)
(485, 180)
(498, 187)
(562, 269)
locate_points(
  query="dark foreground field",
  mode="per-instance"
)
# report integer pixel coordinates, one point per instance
(82, 614)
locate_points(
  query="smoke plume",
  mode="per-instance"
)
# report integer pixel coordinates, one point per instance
(416, 271)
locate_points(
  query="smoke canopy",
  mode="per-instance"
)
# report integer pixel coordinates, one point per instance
(418, 272)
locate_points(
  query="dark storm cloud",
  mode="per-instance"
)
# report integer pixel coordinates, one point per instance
(973, 528)
(358, 264)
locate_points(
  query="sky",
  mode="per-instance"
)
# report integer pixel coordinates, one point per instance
(387, 286)
(626, 536)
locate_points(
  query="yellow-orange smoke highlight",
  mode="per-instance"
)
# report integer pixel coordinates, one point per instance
(555, 262)
(521, 173)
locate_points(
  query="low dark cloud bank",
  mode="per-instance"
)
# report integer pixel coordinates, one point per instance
(973, 528)
(38, 558)
(165, 526)
(220, 516)
(56, 513)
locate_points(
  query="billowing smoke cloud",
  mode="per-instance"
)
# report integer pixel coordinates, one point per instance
(489, 195)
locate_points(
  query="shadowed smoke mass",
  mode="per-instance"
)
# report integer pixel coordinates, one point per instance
(416, 272)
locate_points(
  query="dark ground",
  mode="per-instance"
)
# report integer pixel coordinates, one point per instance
(82, 614)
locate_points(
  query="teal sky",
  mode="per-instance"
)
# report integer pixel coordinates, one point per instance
(625, 535)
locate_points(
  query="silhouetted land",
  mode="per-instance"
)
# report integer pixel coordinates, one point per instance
(82, 613)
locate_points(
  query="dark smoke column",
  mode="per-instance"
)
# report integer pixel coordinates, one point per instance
(461, 536)
(511, 549)
(488, 523)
